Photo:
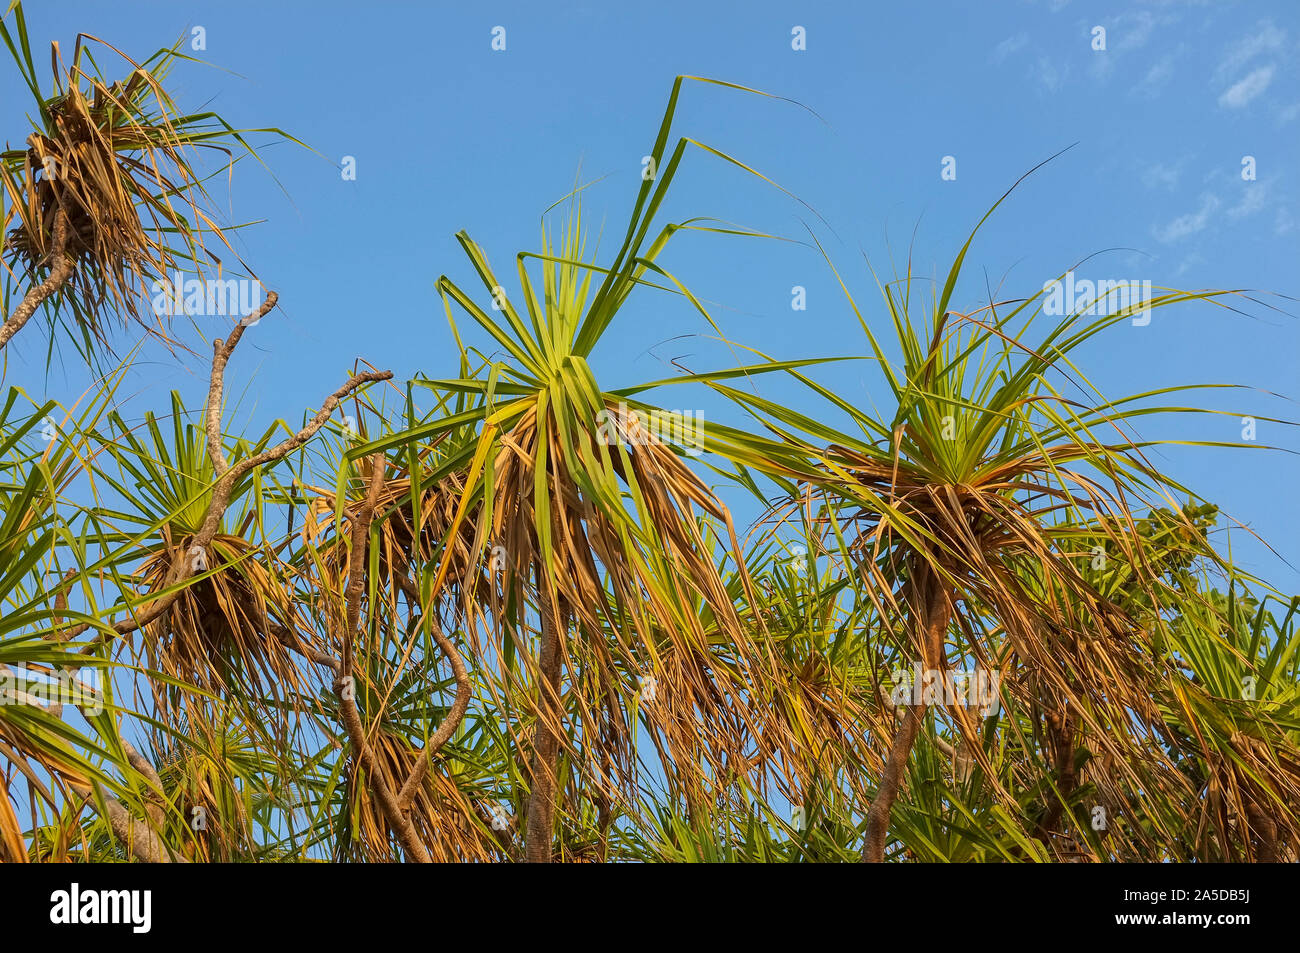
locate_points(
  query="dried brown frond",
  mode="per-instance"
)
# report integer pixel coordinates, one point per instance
(223, 632)
(449, 822)
(107, 198)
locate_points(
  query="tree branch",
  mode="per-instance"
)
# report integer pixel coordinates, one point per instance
(344, 684)
(227, 475)
(61, 270)
(930, 610)
(458, 707)
(139, 839)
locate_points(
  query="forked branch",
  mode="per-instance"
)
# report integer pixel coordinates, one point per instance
(227, 475)
(140, 840)
(345, 686)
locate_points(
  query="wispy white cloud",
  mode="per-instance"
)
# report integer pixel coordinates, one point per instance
(1125, 33)
(1163, 175)
(1132, 31)
(1049, 74)
(1243, 200)
(1189, 224)
(1267, 38)
(1161, 71)
(1009, 46)
(1253, 197)
(1244, 90)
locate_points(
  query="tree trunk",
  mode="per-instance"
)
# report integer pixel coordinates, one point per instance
(930, 614)
(1265, 830)
(546, 739)
(1061, 744)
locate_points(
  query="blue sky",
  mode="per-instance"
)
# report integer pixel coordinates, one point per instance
(449, 134)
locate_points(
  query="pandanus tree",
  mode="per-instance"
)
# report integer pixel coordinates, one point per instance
(202, 607)
(964, 515)
(606, 540)
(108, 196)
(39, 673)
(107, 199)
(513, 620)
(1232, 710)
